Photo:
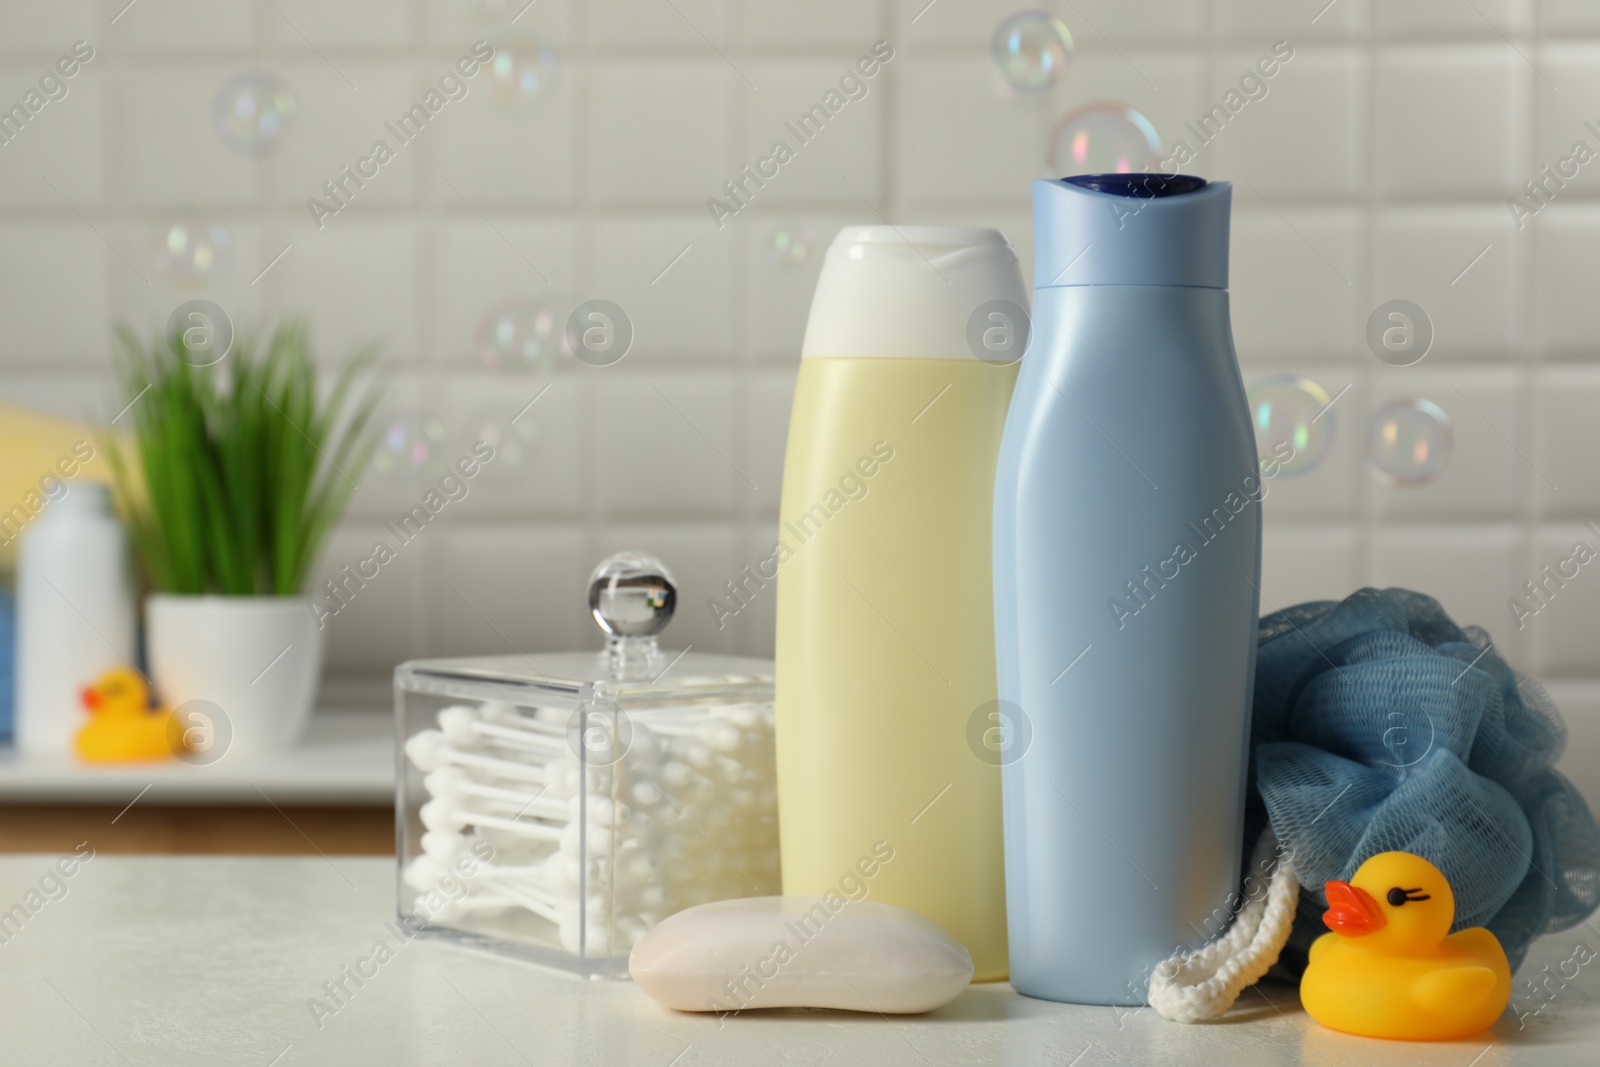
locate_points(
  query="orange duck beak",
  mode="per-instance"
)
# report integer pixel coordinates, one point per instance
(1351, 911)
(90, 698)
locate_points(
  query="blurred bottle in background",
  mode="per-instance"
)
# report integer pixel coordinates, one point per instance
(75, 613)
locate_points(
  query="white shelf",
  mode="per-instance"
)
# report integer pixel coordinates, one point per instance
(347, 758)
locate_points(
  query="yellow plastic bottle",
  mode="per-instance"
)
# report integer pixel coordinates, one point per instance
(889, 737)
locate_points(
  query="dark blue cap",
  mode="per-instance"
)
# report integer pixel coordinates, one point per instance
(1142, 186)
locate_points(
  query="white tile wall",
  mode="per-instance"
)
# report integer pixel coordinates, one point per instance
(1378, 167)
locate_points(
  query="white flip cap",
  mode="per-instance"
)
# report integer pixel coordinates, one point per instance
(909, 292)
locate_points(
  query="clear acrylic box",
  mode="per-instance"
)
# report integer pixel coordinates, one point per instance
(555, 807)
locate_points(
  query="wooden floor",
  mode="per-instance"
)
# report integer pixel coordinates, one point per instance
(198, 830)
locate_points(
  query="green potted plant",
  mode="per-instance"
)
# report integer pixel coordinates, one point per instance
(234, 477)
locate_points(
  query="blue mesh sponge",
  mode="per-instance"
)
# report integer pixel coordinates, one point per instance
(1380, 724)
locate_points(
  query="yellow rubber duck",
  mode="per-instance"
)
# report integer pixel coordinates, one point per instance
(1391, 968)
(123, 727)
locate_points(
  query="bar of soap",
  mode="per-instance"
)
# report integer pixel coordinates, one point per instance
(800, 952)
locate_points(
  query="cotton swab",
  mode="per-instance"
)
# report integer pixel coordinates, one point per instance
(429, 750)
(453, 783)
(461, 727)
(442, 814)
(608, 821)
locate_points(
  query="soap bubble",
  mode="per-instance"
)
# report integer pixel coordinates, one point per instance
(521, 335)
(410, 445)
(1031, 50)
(251, 110)
(1104, 139)
(1291, 412)
(521, 72)
(189, 251)
(1410, 442)
(513, 442)
(789, 244)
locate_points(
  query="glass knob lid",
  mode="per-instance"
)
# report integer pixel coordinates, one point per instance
(632, 594)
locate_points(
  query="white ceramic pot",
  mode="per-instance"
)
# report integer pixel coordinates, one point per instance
(258, 659)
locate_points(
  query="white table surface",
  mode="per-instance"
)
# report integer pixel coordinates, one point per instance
(177, 961)
(346, 758)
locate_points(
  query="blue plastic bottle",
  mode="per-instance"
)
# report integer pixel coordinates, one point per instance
(1127, 549)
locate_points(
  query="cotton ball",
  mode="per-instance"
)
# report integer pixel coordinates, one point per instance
(645, 793)
(569, 934)
(427, 749)
(698, 756)
(676, 775)
(743, 716)
(456, 723)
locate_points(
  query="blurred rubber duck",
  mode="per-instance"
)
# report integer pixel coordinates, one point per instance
(1391, 968)
(122, 726)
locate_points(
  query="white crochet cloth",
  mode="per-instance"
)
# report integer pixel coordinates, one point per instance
(1202, 985)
